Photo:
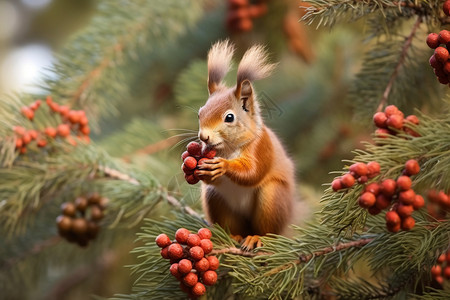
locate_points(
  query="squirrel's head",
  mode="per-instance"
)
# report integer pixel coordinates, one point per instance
(231, 117)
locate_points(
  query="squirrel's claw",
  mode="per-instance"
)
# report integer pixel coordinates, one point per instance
(250, 241)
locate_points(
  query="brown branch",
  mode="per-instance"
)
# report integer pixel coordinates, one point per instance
(401, 61)
(237, 251)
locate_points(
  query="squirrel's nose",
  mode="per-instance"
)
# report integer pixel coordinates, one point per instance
(203, 137)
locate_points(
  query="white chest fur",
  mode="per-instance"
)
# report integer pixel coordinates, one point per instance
(239, 198)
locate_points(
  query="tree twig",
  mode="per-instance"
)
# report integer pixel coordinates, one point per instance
(401, 61)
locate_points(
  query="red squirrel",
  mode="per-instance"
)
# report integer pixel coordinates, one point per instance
(249, 186)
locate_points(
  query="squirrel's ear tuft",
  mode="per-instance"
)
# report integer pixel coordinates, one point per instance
(254, 65)
(244, 93)
(219, 63)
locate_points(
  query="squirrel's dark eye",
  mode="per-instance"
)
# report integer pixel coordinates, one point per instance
(229, 118)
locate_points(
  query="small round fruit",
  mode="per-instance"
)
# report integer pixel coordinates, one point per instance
(434, 62)
(388, 187)
(209, 278)
(92, 230)
(436, 270)
(51, 132)
(79, 226)
(442, 198)
(41, 143)
(213, 263)
(191, 179)
(393, 228)
(193, 240)
(206, 245)
(395, 121)
(165, 252)
(446, 8)
(363, 179)
(184, 155)
(382, 201)
(190, 279)
(444, 36)
(64, 110)
(373, 169)
(347, 180)
(194, 149)
(433, 40)
(186, 170)
(404, 210)
(413, 119)
(198, 289)
(27, 112)
(391, 110)
(380, 119)
(68, 209)
(184, 266)
(382, 133)
(441, 259)
(196, 253)
(182, 235)
(441, 54)
(175, 251)
(446, 272)
(81, 203)
(412, 166)
(407, 197)
(367, 200)
(202, 265)
(419, 202)
(408, 223)
(359, 169)
(204, 233)
(174, 270)
(336, 185)
(209, 153)
(96, 213)
(201, 161)
(190, 162)
(432, 195)
(85, 130)
(73, 116)
(19, 143)
(373, 188)
(392, 218)
(63, 130)
(64, 223)
(404, 183)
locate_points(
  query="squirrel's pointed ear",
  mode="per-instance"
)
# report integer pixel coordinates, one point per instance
(244, 93)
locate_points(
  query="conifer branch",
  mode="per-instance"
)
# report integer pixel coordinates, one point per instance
(401, 62)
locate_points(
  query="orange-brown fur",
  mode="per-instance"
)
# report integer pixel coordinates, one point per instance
(249, 187)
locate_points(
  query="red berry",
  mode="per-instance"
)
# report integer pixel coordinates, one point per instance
(432, 195)
(19, 130)
(434, 62)
(206, 245)
(198, 289)
(404, 183)
(27, 112)
(392, 218)
(407, 197)
(33, 134)
(191, 179)
(446, 272)
(367, 200)
(54, 106)
(418, 202)
(209, 153)
(209, 278)
(373, 188)
(413, 119)
(64, 110)
(380, 119)
(359, 169)
(336, 185)
(185, 288)
(439, 279)
(441, 54)
(201, 161)
(194, 149)
(391, 110)
(175, 271)
(395, 121)
(204, 233)
(394, 228)
(19, 143)
(51, 132)
(433, 40)
(175, 251)
(388, 187)
(404, 210)
(85, 130)
(442, 197)
(382, 201)
(202, 265)
(196, 252)
(163, 240)
(190, 162)
(374, 210)
(412, 167)
(213, 262)
(184, 266)
(63, 130)
(363, 179)
(26, 138)
(373, 169)
(446, 8)
(182, 235)
(73, 116)
(186, 170)
(408, 223)
(184, 155)
(444, 36)
(441, 258)
(165, 252)
(347, 180)
(382, 133)
(448, 258)
(190, 279)
(436, 270)
(193, 240)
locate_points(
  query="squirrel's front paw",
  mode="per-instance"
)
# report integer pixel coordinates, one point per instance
(212, 169)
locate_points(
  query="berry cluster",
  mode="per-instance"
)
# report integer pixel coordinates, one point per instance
(359, 172)
(188, 262)
(393, 119)
(378, 196)
(439, 204)
(193, 157)
(79, 220)
(72, 120)
(442, 268)
(241, 13)
(439, 61)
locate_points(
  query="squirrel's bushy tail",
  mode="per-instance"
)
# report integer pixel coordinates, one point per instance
(219, 62)
(254, 65)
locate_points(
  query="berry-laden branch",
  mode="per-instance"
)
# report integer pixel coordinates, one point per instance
(401, 61)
